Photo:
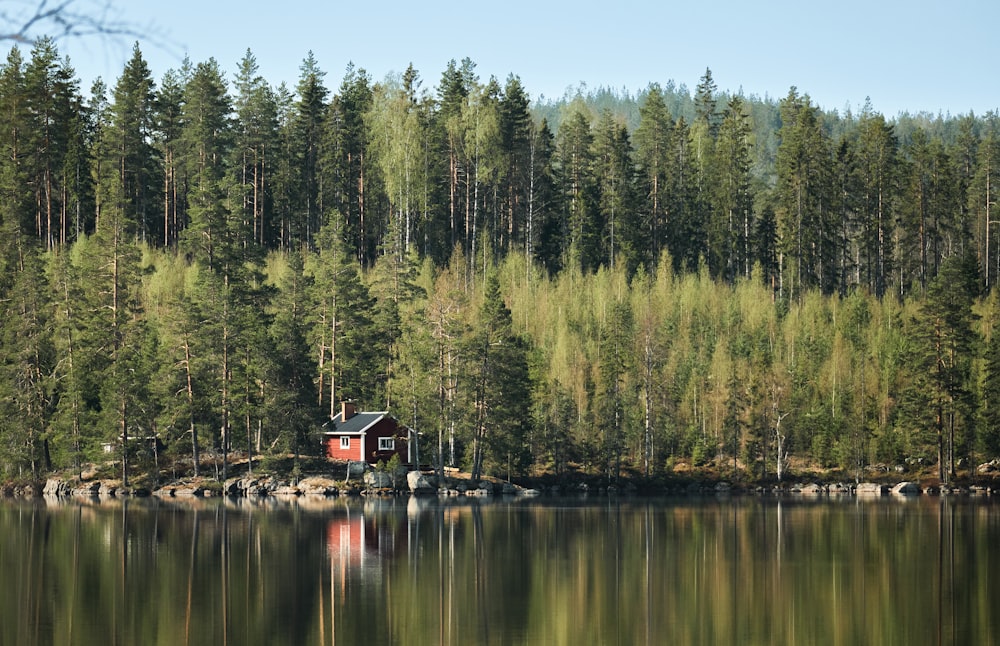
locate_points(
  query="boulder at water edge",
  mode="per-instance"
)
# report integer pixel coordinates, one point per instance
(419, 483)
(906, 489)
(870, 489)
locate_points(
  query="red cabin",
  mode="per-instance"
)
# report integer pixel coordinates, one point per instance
(365, 436)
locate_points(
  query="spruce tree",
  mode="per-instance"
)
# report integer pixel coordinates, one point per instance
(28, 361)
(498, 367)
(291, 406)
(944, 344)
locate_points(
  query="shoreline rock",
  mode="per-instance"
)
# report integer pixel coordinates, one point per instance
(428, 483)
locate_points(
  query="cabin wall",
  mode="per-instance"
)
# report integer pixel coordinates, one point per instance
(334, 451)
(384, 428)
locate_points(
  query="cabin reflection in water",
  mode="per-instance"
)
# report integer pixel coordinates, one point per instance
(365, 538)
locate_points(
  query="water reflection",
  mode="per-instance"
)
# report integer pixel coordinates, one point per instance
(558, 571)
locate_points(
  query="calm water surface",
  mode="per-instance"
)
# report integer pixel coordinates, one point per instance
(543, 571)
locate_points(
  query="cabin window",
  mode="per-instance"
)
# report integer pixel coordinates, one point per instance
(345, 442)
(386, 444)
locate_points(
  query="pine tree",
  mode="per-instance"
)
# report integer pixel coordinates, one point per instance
(15, 133)
(929, 210)
(68, 418)
(482, 159)
(732, 198)
(982, 197)
(516, 136)
(131, 146)
(306, 126)
(805, 226)
(878, 169)
(989, 437)
(347, 165)
(652, 140)
(206, 138)
(352, 356)
(51, 99)
(255, 147)
(575, 155)
(453, 91)
(169, 117)
(614, 173)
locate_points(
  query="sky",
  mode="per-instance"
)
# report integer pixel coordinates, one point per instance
(904, 55)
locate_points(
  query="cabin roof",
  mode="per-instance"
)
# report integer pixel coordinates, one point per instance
(356, 424)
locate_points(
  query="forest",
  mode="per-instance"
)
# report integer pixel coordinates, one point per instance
(603, 284)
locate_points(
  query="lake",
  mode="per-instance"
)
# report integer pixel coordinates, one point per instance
(552, 571)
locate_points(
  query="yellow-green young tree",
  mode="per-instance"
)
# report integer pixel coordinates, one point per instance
(398, 143)
(413, 380)
(183, 373)
(447, 311)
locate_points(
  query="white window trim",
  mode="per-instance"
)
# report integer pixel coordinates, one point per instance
(345, 442)
(386, 444)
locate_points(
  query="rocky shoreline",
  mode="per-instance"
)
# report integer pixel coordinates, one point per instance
(380, 483)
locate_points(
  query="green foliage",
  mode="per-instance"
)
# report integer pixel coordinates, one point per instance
(597, 283)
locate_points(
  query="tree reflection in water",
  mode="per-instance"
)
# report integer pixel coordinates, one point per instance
(545, 571)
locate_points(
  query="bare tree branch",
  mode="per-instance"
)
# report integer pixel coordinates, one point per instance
(27, 20)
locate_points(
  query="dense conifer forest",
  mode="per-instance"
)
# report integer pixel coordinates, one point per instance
(603, 283)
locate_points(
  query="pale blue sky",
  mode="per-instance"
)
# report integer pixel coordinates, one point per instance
(912, 55)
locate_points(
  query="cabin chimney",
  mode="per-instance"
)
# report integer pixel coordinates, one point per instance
(347, 410)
